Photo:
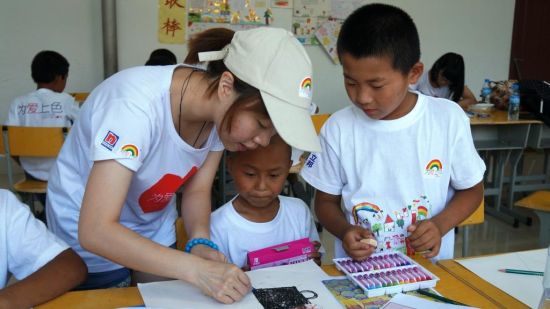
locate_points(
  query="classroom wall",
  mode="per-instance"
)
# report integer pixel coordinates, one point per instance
(479, 30)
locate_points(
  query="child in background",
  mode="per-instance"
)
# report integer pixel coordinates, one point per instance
(446, 80)
(161, 56)
(44, 264)
(402, 164)
(47, 106)
(258, 216)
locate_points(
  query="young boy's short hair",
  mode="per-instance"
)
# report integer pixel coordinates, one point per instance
(381, 30)
(48, 64)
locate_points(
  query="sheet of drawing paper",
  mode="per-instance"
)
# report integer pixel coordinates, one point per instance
(181, 295)
(311, 8)
(525, 288)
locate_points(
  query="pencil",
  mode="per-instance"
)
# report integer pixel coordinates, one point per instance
(522, 272)
(440, 298)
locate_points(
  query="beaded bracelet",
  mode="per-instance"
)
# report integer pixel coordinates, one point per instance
(200, 241)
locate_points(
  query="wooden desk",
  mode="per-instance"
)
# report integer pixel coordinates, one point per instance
(501, 142)
(448, 285)
(480, 286)
(539, 202)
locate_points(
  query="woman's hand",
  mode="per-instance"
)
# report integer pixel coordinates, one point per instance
(222, 281)
(208, 253)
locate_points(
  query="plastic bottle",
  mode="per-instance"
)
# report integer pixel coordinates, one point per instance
(513, 103)
(545, 298)
(486, 91)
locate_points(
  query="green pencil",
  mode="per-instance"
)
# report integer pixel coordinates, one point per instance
(522, 272)
(439, 297)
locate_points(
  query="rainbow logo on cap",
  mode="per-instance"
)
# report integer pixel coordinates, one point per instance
(130, 150)
(434, 168)
(305, 88)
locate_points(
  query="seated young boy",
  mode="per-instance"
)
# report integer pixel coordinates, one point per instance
(258, 216)
(44, 264)
(47, 106)
(402, 165)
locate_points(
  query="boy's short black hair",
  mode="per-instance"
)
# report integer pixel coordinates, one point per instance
(381, 30)
(161, 56)
(48, 64)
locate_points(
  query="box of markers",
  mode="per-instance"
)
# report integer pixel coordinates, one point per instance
(386, 273)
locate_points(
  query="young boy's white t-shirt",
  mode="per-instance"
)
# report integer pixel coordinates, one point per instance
(391, 172)
(423, 86)
(236, 236)
(25, 243)
(42, 108)
(127, 118)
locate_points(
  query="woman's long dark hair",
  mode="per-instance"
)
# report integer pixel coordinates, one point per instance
(451, 66)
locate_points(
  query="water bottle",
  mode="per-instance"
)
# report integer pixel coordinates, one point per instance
(486, 91)
(513, 103)
(545, 299)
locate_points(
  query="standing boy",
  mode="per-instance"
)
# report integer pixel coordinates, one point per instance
(403, 164)
(258, 216)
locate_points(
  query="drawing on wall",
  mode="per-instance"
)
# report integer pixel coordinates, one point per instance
(288, 4)
(311, 8)
(327, 34)
(237, 12)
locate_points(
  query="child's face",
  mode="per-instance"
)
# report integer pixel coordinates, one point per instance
(248, 130)
(377, 88)
(260, 174)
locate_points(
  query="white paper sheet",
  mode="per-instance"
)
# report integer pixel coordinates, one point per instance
(181, 295)
(400, 301)
(525, 288)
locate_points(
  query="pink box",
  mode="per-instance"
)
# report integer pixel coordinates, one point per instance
(291, 252)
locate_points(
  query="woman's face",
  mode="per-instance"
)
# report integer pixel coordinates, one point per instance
(441, 80)
(247, 130)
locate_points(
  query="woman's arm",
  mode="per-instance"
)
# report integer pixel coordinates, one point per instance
(468, 98)
(61, 274)
(100, 232)
(196, 205)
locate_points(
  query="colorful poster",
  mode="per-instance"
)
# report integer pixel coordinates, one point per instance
(237, 12)
(327, 34)
(304, 29)
(171, 21)
(282, 4)
(311, 8)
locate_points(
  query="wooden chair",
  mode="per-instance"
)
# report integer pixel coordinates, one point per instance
(80, 97)
(475, 218)
(181, 235)
(30, 142)
(539, 202)
(318, 121)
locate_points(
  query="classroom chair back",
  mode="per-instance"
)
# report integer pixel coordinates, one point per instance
(477, 217)
(318, 121)
(30, 142)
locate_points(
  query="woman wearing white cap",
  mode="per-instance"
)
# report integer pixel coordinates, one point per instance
(146, 131)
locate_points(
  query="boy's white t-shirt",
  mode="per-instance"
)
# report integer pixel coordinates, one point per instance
(423, 86)
(236, 236)
(25, 243)
(127, 118)
(393, 172)
(42, 108)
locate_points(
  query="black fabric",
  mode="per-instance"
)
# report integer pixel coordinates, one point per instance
(280, 298)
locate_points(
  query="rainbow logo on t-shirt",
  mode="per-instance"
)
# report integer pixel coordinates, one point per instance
(434, 168)
(130, 150)
(305, 88)
(422, 212)
(363, 207)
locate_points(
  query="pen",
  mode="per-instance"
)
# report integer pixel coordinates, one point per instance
(440, 298)
(522, 272)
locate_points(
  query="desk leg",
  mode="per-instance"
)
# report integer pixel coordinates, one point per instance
(515, 158)
(465, 240)
(544, 236)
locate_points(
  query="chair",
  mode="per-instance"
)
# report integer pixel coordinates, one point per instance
(539, 202)
(181, 234)
(477, 217)
(80, 97)
(30, 142)
(318, 121)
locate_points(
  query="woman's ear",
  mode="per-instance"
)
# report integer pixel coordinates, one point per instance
(226, 89)
(415, 72)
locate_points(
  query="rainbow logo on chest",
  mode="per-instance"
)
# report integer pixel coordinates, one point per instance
(130, 151)
(434, 168)
(368, 207)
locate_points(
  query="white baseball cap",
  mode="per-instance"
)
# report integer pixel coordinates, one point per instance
(273, 61)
